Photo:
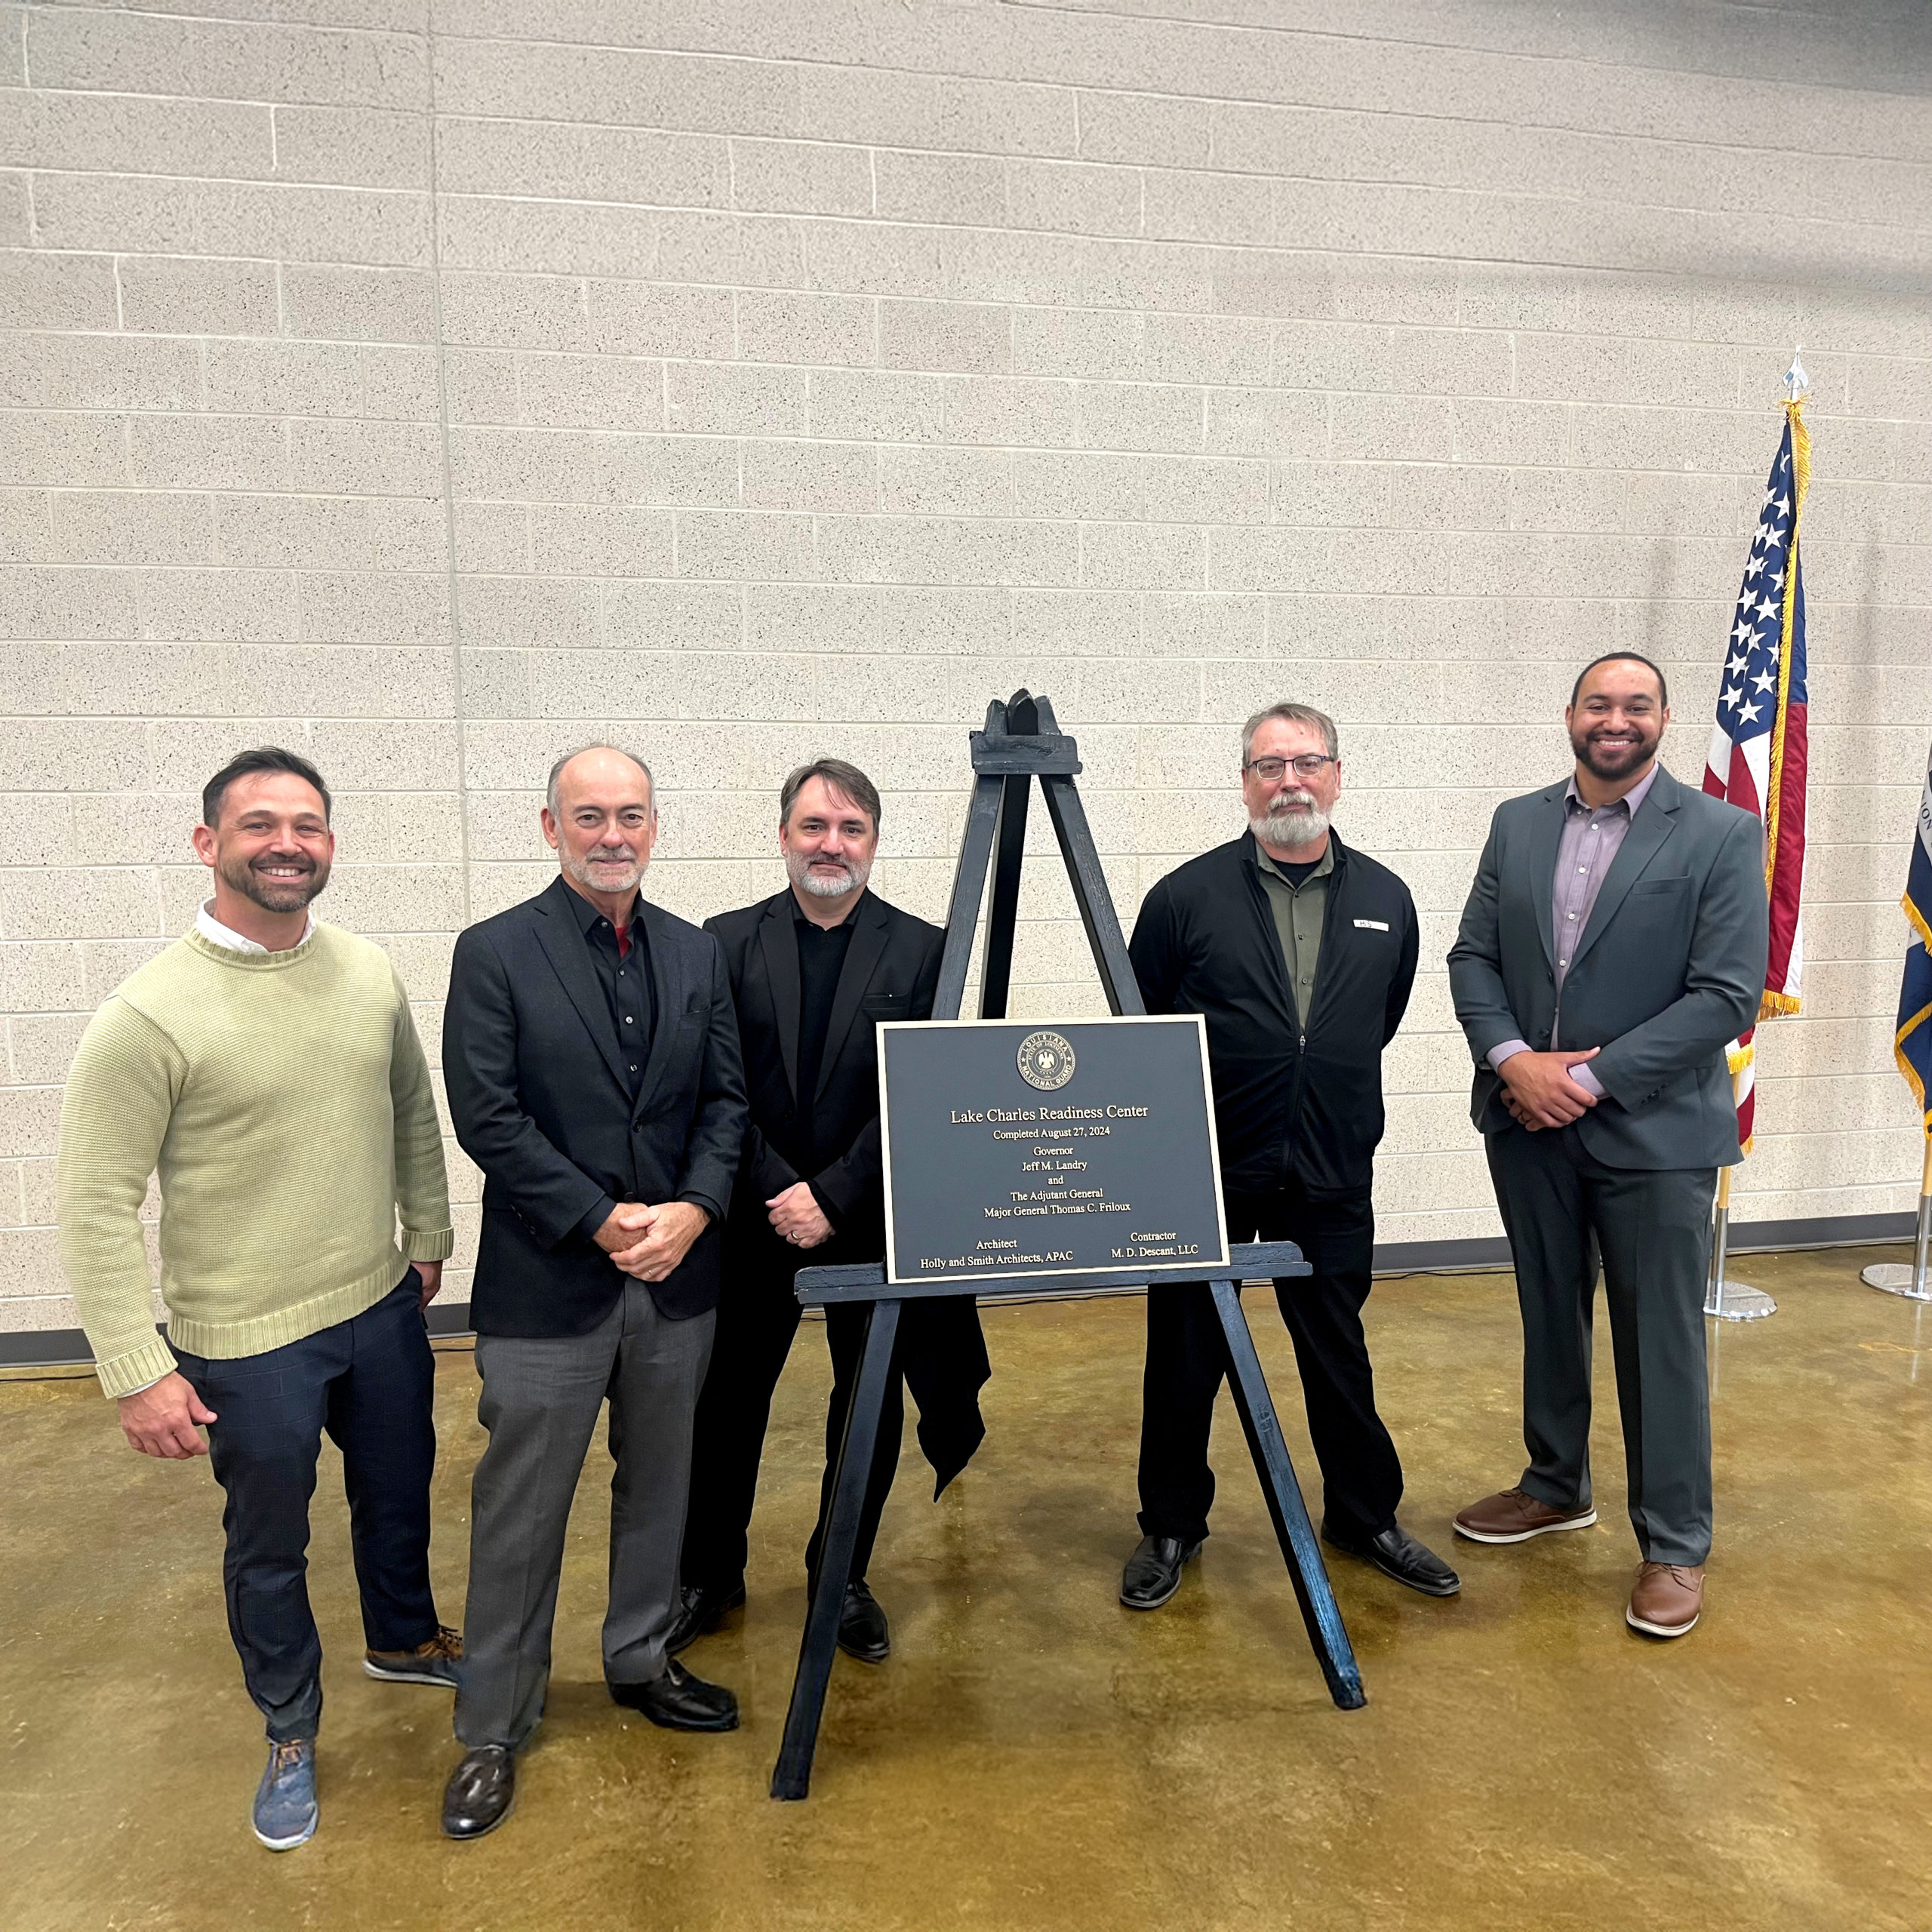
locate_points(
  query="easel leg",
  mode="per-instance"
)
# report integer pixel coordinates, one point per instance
(1293, 1529)
(792, 1777)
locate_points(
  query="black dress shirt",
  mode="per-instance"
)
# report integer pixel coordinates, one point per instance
(822, 951)
(631, 992)
(625, 975)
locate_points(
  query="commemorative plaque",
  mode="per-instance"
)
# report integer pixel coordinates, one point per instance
(1014, 1150)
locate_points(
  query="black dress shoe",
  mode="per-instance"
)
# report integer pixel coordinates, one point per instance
(864, 1632)
(701, 1610)
(678, 1701)
(1397, 1553)
(1153, 1571)
(477, 1798)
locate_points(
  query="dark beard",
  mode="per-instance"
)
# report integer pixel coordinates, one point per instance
(1591, 756)
(275, 896)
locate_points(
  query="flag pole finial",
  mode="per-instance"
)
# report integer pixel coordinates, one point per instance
(1796, 382)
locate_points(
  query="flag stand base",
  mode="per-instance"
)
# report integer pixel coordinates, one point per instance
(1728, 1300)
(1737, 1301)
(1896, 1278)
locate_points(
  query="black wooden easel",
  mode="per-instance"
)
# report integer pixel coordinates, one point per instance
(1022, 741)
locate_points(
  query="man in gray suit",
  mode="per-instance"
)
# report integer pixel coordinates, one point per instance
(1613, 945)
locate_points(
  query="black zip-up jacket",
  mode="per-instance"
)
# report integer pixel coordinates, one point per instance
(1285, 1102)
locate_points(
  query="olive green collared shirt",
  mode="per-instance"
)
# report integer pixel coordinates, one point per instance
(1298, 911)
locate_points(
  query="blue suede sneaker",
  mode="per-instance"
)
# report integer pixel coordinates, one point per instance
(285, 1810)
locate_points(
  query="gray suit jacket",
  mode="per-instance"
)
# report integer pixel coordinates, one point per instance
(1669, 970)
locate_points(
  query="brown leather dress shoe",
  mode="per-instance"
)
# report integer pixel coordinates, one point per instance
(1667, 1599)
(1514, 1516)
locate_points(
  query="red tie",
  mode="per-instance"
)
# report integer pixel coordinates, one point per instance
(623, 941)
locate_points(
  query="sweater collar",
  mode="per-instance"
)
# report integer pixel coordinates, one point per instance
(256, 959)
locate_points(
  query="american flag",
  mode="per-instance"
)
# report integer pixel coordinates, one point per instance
(1757, 757)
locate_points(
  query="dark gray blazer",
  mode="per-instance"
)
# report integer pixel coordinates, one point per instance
(538, 1094)
(1668, 973)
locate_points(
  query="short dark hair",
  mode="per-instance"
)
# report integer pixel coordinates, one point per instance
(1624, 657)
(245, 765)
(847, 780)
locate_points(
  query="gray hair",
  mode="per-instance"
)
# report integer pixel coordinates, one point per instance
(557, 771)
(1292, 714)
(846, 779)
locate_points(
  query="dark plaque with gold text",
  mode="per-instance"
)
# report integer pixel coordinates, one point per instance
(1015, 1150)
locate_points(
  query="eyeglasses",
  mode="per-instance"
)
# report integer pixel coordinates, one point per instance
(1308, 765)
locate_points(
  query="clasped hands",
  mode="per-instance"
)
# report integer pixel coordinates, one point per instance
(647, 1243)
(1538, 1092)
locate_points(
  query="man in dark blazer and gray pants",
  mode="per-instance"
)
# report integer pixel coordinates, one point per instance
(591, 1056)
(1613, 945)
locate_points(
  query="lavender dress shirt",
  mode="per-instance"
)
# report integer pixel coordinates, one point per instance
(1584, 855)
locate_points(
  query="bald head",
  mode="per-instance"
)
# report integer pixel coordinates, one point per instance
(600, 819)
(570, 759)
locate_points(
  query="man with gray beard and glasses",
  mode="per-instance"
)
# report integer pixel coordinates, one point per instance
(1300, 953)
(813, 971)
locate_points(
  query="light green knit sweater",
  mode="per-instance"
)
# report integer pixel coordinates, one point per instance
(285, 1101)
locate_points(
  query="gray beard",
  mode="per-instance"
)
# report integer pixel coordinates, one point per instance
(797, 868)
(579, 870)
(1299, 825)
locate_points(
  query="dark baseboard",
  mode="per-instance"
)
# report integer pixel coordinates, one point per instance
(56, 1348)
(62, 1348)
(1456, 1257)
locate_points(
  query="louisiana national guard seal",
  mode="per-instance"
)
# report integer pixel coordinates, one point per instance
(1046, 1061)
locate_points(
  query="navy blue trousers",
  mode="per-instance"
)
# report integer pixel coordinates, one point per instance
(368, 1382)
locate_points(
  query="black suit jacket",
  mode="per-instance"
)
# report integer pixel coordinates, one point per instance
(890, 971)
(538, 1094)
(891, 968)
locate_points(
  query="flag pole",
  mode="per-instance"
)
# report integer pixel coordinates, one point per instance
(1726, 1299)
(1895, 1278)
(1730, 1300)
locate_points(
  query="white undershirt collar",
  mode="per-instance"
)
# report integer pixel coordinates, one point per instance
(216, 933)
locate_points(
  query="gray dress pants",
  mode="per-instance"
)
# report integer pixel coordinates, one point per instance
(1562, 1211)
(540, 1403)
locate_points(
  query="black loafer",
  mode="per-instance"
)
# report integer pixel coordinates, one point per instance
(1397, 1553)
(1153, 1571)
(678, 1701)
(864, 1632)
(701, 1609)
(478, 1796)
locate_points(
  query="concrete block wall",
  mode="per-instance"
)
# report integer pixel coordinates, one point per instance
(433, 384)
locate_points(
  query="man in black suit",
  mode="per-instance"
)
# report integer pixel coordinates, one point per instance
(813, 971)
(591, 1061)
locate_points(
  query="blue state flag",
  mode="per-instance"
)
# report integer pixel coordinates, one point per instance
(1912, 1044)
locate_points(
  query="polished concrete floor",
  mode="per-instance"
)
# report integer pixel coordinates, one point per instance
(1033, 1755)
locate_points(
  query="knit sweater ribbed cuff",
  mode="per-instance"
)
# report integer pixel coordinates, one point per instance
(126, 1374)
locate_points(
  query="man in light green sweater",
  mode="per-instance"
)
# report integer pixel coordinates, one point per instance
(268, 1070)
